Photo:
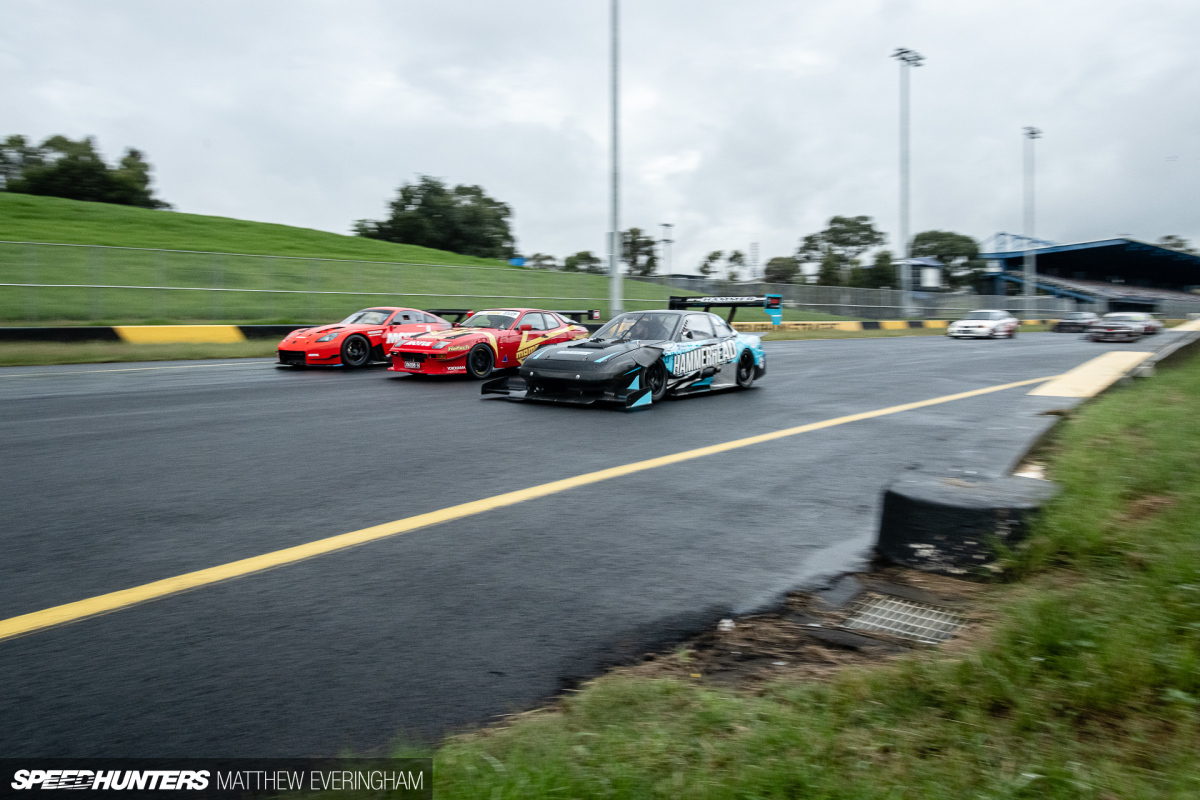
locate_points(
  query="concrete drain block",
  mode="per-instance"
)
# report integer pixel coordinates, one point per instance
(904, 618)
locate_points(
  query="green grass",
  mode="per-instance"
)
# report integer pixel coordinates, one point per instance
(347, 268)
(19, 354)
(779, 336)
(27, 218)
(1087, 686)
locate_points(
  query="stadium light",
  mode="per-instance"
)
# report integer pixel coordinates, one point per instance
(1031, 134)
(615, 300)
(908, 59)
(667, 241)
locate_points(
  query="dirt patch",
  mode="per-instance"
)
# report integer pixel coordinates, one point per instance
(805, 638)
(1146, 506)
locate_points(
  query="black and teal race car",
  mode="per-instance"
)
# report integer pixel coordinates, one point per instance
(642, 357)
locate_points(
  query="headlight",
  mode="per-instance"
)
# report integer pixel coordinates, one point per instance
(441, 345)
(329, 337)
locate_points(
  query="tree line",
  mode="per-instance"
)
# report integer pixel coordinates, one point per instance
(465, 219)
(837, 253)
(61, 167)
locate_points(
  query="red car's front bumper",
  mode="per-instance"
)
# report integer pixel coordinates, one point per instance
(310, 355)
(423, 363)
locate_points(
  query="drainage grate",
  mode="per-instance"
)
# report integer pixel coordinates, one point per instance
(924, 623)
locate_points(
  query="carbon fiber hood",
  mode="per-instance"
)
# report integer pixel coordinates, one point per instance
(595, 357)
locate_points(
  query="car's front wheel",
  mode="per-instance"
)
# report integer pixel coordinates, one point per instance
(356, 352)
(654, 378)
(480, 361)
(745, 370)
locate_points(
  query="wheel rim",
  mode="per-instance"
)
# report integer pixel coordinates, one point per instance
(356, 350)
(744, 369)
(479, 361)
(655, 379)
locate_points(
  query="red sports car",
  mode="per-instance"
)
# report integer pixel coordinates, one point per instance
(499, 338)
(359, 339)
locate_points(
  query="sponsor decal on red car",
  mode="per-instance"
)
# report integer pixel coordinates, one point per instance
(508, 335)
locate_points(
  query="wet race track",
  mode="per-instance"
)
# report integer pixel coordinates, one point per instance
(119, 475)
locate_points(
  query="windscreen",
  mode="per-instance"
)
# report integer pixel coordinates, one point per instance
(502, 320)
(371, 316)
(644, 325)
(982, 315)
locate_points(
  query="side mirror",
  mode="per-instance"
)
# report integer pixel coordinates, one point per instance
(526, 327)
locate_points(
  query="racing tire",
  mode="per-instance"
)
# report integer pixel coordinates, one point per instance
(480, 361)
(745, 370)
(356, 352)
(654, 378)
(1013, 333)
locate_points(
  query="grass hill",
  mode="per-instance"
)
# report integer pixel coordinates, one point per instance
(318, 276)
(26, 218)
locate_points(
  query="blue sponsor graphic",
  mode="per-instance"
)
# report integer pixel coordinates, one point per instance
(773, 305)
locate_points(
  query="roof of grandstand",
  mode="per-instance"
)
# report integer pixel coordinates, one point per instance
(1115, 291)
(1111, 265)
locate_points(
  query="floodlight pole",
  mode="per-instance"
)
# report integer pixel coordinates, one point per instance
(908, 59)
(615, 300)
(1031, 134)
(667, 241)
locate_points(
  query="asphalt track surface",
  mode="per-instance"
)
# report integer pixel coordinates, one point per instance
(118, 475)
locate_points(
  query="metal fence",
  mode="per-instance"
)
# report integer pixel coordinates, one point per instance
(59, 282)
(880, 303)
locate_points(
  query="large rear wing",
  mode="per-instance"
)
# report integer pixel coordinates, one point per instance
(460, 314)
(579, 316)
(771, 303)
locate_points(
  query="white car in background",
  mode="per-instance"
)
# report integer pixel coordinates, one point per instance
(1147, 324)
(984, 324)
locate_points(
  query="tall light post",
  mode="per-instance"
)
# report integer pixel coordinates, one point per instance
(1031, 134)
(667, 241)
(908, 59)
(615, 300)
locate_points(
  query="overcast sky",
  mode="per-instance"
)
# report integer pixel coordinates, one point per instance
(750, 121)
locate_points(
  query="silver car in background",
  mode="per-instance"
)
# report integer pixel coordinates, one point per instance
(1123, 326)
(984, 324)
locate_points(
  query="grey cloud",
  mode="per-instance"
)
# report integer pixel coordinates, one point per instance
(750, 121)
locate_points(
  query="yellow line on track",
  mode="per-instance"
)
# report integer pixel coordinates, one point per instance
(113, 601)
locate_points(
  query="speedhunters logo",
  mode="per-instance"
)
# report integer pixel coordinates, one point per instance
(115, 779)
(227, 778)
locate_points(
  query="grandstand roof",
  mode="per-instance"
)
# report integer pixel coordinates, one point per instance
(1135, 263)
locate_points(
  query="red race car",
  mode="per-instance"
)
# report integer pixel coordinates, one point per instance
(499, 338)
(359, 339)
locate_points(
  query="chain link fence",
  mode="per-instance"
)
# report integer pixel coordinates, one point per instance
(58, 282)
(880, 303)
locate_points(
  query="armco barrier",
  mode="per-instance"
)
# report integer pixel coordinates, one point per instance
(160, 334)
(148, 334)
(857, 325)
(841, 325)
(193, 334)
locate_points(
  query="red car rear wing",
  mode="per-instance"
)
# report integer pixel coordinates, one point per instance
(462, 313)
